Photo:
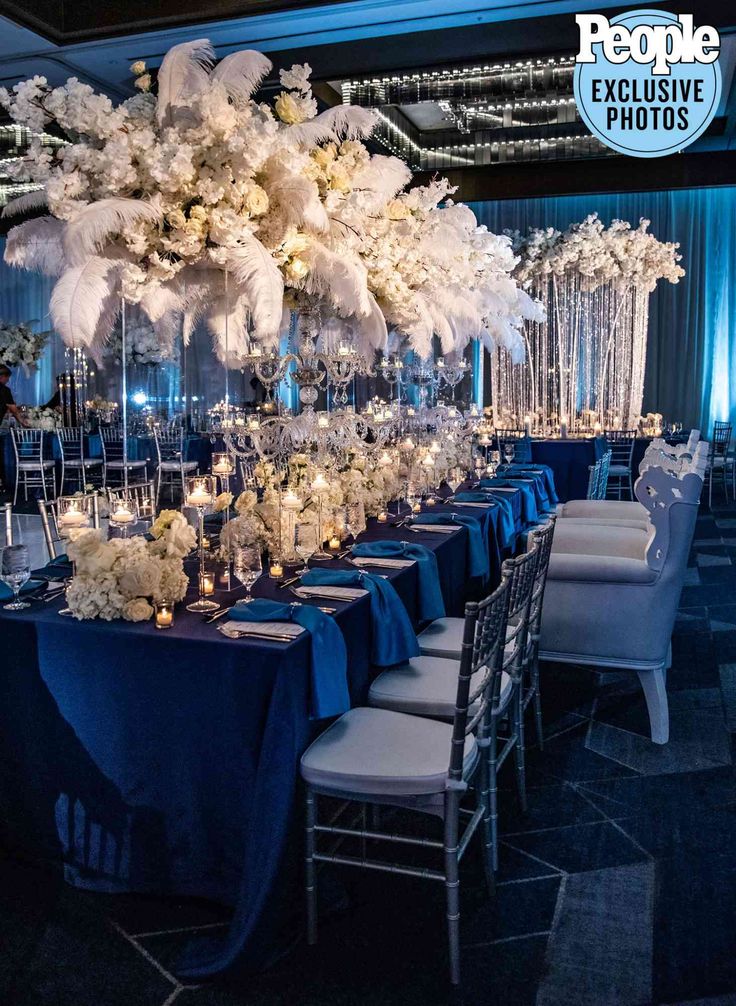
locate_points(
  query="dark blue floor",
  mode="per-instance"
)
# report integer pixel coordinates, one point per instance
(617, 887)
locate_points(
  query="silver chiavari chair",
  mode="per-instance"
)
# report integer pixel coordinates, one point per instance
(143, 494)
(603, 475)
(718, 459)
(30, 464)
(380, 757)
(113, 460)
(621, 467)
(541, 539)
(171, 467)
(71, 448)
(593, 480)
(55, 543)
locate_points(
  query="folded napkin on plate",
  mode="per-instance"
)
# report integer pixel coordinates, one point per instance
(330, 695)
(439, 528)
(477, 549)
(471, 496)
(335, 593)
(431, 604)
(393, 638)
(544, 470)
(58, 569)
(29, 587)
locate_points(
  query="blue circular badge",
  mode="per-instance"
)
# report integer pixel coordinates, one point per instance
(631, 108)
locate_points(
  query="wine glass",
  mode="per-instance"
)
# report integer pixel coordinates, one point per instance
(353, 519)
(508, 452)
(305, 544)
(14, 571)
(247, 566)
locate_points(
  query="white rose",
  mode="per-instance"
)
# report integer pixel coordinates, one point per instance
(137, 610)
(141, 580)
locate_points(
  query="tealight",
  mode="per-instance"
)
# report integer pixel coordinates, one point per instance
(73, 517)
(276, 570)
(199, 497)
(334, 543)
(323, 422)
(290, 501)
(164, 615)
(122, 514)
(320, 483)
(382, 517)
(416, 508)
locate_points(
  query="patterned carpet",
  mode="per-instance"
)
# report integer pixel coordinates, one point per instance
(617, 887)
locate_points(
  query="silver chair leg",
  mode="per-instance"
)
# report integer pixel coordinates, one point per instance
(519, 755)
(493, 792)
(484, 801)
(537, 698)
(452, 891)
(311, 871)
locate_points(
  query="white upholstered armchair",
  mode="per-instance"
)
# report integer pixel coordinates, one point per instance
(614, 584)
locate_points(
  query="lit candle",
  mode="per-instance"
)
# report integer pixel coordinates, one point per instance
(440, 363)
(430, 501)
(597, 429)
(334, 543)
(254, 423)
(239, 421)
(343, 349)
(385, 459)
(276, 570)
(200, 497)
(291, 501)
(320, 483)
(207, 584)
(416, 508)
(410, 411)
(428, 461)
(164, 615)
(528, 426)
(435, 447)
(221, 465)
(73, 517)
(408, 444)
(121, 515)
(323, 422)
(382, 517)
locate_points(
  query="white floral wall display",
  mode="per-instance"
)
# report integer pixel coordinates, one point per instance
(200, 202)
(585, 366)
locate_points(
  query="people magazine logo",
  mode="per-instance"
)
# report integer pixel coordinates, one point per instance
(647, 83)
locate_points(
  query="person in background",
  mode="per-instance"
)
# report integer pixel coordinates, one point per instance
(7, 407)
(7, 402)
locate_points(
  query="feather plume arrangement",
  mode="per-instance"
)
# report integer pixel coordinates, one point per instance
(227, 321)
(29, 201)
(85, 303)
(36, 245)
(183, 73)
(282, 204)
(240, 73)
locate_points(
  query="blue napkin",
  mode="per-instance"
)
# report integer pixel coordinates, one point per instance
(6, 594)
(330, 695)
(529, 513)
(58, 569)
(507, 524)
(537, 483)
(472, 496)
(393, 638)
(431, 604)
(477, 551)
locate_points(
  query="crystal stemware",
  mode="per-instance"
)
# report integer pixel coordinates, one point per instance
(247, 566)
(508, 452)
(305, 544)
(14, 571)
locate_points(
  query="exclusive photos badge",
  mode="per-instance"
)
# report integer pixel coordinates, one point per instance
(646, 83)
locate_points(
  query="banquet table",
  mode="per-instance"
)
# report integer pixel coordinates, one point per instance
(167, 761)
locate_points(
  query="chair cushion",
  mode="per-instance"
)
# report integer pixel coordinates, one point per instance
(177, 466)
(605, 509)
(29, 466)
(79, 462)
(378, 752)
(619, 470)
(443, 638)
(600, 539)
(425, 686)
(130, 464)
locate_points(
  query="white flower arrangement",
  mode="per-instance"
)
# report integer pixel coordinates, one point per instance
(199, 201)
(20, 346)
(40, 418)
(142, 345)
(121, 578)
(617, 254)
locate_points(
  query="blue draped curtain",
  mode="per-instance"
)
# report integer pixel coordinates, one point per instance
(691, 354)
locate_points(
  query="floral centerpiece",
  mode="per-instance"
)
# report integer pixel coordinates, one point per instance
(142, 344)
(198, 201)
(20, 346)
(40, 418)
(121, 577)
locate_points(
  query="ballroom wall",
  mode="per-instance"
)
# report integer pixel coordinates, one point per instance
(691, 359)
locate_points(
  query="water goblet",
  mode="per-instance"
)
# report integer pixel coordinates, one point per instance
(247, 567)
(14, 571)
(305, 544)
(508, 452)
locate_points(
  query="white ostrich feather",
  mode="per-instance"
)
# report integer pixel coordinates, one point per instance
(34, 200)
(259, 279)
(384, 176)
(36, 245)
(85, 302)
(532, 310)
(184, 71)
(241, 73)
(343, 280)
(228, 323)
(298, 201)
(372, 329)
(98, 222)
(167, 328)
(420, 329)
(343, 122)
(442, 327)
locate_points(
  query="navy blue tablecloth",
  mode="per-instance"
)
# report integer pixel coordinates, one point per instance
(167, 761)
